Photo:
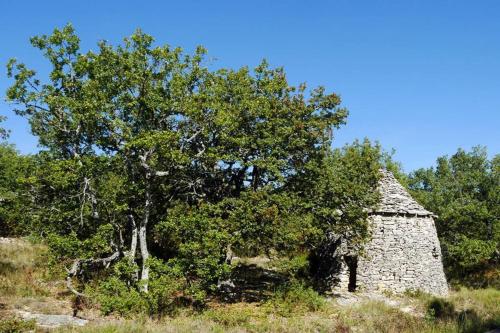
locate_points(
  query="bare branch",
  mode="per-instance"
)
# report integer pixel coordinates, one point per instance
(77, 269)
(143, 158)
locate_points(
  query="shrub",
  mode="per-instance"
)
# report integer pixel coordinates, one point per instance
(115, 296)
(120, 294)
(439, 308)
(163, 295)
(199, 241)
(63, 246)
(295, 298)
(295, 267)
(16, 325)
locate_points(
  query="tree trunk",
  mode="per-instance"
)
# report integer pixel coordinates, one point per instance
(143, 238)
(133, 246)
(255, 177)
(229, 254)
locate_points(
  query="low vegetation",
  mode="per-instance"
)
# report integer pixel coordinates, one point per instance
(294, 308)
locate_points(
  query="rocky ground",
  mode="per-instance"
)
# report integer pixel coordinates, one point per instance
(51, 320)
(403, 304)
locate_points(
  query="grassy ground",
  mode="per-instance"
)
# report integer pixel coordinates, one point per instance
(26, 280)
(27, 284)
(482, 314)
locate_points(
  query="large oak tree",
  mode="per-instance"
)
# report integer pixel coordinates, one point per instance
(140, 137)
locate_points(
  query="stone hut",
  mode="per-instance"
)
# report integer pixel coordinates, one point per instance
(404, 251)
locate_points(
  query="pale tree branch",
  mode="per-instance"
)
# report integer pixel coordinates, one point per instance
(79, 265)
(143, 160)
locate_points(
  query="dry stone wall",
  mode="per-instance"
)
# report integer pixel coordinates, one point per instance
(403, 253)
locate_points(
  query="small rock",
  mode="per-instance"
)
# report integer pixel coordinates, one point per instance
(52, 321)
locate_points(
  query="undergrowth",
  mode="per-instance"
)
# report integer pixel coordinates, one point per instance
(293, 307)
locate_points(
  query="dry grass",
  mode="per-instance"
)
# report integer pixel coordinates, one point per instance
(23, 269)
(482, 309)
(485, 302)
(26, 282)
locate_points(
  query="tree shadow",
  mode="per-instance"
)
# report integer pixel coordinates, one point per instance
(252, 283)
(7, 268)
(470, 322)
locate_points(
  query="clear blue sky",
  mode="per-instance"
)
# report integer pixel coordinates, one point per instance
(422, 77)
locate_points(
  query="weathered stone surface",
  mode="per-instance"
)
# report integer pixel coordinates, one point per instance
(51, 320)
(395, 199)
(404, 251)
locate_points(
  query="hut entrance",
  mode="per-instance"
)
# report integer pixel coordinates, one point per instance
(352, 265)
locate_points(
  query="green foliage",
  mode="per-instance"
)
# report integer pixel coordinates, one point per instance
(199, 241)
(340, 192)
(296, 267)
(16, 325)
(70, 246)
(345, 190)
(100, 243)
(471, 252)
(293, 299)
(126, 270)
(14, 168)
(464, 191)
(115, 296)
(167, 287)
(136, 135)
(4, 134)
(261, 221)
(119, 294)
(64, 247)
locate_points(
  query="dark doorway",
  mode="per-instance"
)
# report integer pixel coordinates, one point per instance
(352, 265)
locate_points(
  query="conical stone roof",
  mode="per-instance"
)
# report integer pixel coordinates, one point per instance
(395, 199)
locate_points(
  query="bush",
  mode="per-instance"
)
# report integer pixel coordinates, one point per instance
(115, 296)
(16, 325)
(199, 241)
(120, 294)
(295, 298)
(439, 308)
(295, 267)
(63, 247)
(163, 296)
(468, 254)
